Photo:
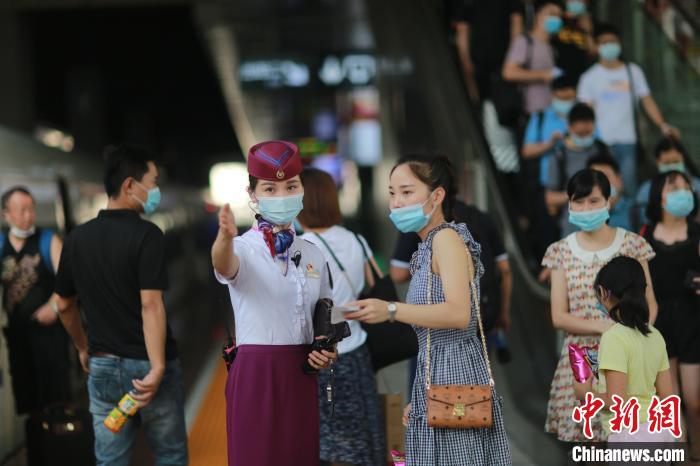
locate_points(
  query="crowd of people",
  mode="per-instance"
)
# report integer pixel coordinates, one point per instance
(560, 107)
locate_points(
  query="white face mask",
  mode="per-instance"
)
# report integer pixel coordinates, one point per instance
(22, 234)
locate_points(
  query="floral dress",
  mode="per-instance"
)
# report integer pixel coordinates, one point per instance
(456, 358)
(581, 268)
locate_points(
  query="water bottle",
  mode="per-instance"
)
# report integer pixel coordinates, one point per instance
(121, 413)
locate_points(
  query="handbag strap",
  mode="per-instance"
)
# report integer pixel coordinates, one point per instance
(633, 99)
(375, 273)
(337, 262)
(473, 300)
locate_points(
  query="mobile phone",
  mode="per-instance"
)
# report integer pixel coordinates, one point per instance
(690, 280)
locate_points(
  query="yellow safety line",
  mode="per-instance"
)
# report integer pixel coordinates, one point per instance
(207, 442)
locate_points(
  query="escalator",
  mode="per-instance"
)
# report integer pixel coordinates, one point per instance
(437, 106)
(666, 45)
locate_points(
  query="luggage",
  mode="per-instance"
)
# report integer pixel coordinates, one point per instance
(60, 435)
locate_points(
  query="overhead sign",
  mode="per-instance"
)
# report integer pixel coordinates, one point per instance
(354, 69)
(275, 73)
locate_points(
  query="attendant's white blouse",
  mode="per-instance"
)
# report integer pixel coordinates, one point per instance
(269, 307)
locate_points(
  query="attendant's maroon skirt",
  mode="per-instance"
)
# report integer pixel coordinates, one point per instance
(272, 408)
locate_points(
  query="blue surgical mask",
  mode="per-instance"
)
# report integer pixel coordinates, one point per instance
(589, 220)
(613, 191)
(152, 199)
(672, 167)
(411, 219)
(562, 107)
(576, 8)
(583, 141)
(610, 51)
(601, 308)
(679, 203)
(552, 24)
(281, 210)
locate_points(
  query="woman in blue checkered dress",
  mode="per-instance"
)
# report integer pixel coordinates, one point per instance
(422, 192)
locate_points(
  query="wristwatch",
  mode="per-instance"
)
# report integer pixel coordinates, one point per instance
(391, 307)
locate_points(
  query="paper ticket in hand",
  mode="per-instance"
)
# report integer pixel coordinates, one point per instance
(346, 308)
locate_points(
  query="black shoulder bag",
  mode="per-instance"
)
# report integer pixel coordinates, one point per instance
(388, 342)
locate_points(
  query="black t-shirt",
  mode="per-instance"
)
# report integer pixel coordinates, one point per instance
(489, 25)
(671, 264)
(484, 232)
(570, 50)
(107, 262)
(27, 281)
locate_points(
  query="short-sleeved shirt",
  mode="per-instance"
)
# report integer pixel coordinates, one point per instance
(641, 357)
(572, 161)
(610, 93)
(571, 52)
(346, 285)
(107, 262)
(273, 299)
(484, 232)
(540, 128)
(537, 94)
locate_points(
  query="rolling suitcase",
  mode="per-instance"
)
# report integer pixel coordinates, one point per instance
(60, 435)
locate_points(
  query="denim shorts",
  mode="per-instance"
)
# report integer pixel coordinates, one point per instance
(163, 419)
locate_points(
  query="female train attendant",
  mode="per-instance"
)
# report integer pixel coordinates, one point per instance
(275, 280)
(441, 308)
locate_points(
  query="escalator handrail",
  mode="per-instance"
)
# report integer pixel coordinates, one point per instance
(504, 206)
(687, 16)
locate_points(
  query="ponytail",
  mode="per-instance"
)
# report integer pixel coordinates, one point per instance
(436, 172)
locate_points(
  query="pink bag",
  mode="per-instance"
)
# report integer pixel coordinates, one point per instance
(584, 361)
(398, 457)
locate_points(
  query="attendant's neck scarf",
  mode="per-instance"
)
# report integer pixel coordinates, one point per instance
(277, 242)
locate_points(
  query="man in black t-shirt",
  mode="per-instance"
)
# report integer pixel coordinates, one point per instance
(115, 263)
(37, 345)
(483, 31)
(496, 283)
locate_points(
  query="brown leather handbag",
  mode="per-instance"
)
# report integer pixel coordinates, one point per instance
(459, 406)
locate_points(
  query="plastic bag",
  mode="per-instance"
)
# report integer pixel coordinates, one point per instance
(584, 361)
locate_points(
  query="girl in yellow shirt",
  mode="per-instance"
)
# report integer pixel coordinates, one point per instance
(632, 354)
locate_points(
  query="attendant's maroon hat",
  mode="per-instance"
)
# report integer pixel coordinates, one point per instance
(274, 161)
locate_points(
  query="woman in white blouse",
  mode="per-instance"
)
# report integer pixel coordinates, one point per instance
(274, 280)
(355, 433)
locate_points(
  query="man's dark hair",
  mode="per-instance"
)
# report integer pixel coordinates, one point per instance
(8, 194)
(604, 158)
(122, 162)
(605, 28)
(563, 82)
(581, 112)
(539, 4)
(667, 144)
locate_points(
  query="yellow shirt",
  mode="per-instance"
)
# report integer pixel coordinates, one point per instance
(641, 357)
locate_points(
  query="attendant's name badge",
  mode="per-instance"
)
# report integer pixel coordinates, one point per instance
(311, 272)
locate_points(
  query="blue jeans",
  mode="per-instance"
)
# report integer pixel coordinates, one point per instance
(626, 156)
(163, 419)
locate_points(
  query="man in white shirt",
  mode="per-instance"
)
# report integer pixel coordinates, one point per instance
(609, 87)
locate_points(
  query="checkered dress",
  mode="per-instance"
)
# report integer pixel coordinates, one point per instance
(456, 357)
